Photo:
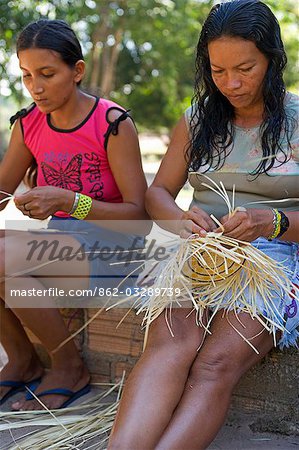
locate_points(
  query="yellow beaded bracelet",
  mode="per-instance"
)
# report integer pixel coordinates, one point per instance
(83, 207)
(276, 224)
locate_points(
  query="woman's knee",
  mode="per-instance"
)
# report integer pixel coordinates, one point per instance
(215, 367)
(181, 343)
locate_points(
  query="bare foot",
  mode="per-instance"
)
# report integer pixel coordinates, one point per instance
(23, 370)
(73, 378)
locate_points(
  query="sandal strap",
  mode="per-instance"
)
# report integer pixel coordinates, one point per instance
(13, 384)
(55, 391)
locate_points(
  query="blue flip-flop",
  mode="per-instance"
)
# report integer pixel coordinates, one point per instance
(17, 386)
(72, 396)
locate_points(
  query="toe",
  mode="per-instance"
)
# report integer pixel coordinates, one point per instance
(17, 406)
(25, 405)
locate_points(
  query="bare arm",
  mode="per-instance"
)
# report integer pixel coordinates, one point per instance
(171, 177)
(15, 162)
(254, 223)
(292, 234)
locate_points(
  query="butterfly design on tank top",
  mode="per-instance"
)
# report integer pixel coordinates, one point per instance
(67, 177)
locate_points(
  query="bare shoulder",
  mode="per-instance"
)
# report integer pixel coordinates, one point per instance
(180, 138)
(17, 138)
(16, 160)
(121, 120)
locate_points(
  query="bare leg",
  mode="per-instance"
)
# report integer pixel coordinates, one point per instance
(24, 364)
(221, 362)
(156, 383)
(67, 369)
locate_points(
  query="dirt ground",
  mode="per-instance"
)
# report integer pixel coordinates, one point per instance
(234, 435)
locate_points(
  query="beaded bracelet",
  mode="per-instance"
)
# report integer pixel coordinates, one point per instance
(75, 204)
(83, 207)
(276, 224)
(284, 223)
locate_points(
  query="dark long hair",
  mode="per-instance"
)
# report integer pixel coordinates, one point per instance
(212, 114)
(54, 35)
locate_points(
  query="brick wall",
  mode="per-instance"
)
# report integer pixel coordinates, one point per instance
(271, 389)
(112, 347)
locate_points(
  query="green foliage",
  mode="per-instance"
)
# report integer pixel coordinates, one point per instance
(158, 68)
(139, 52)
(287, 13)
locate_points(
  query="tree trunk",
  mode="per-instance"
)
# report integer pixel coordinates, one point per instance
(99, 35)
(110, 64)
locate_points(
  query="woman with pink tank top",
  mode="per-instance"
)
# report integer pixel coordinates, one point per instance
(82, 159)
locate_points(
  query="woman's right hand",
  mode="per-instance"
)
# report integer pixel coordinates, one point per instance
(195, 221)
(43, 201)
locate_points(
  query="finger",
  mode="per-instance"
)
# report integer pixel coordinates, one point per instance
(199, 220)
(25, 213)
(224, 219)
(188, 227)
(238, 212)
(238, 227)
(210, 222)
(239, 232)
(22, 209)
(25, 197)
(184, 234)
(204, 216)
(235, 221)
(25, 207)
(17, 202)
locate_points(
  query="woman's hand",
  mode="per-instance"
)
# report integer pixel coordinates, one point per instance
(44, 201)
(196, 221)
(248, 224)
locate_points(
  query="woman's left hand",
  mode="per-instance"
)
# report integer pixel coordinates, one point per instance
(248, 224)
(43, 201)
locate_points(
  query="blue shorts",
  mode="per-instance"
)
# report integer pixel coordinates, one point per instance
(286, 253)
(111, 255)
(285, 313)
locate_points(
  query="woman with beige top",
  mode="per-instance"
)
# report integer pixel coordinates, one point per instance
(242, 129)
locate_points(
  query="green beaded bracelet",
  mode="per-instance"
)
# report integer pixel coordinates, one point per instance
(276, 224)
(83, 208)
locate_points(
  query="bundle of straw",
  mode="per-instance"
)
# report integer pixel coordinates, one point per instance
(217, 272)
(86, 426)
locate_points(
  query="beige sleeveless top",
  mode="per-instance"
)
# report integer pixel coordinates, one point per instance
(282, 182)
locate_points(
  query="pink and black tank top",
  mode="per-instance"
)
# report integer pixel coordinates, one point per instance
(74, 159)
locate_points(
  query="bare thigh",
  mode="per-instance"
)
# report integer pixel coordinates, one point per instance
(226, 352)
(54, 260)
